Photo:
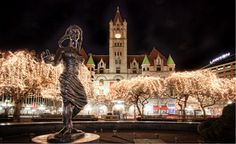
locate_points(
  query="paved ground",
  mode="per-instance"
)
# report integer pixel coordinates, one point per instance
(124, 137)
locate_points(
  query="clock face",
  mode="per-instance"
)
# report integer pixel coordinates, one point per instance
(117, 35)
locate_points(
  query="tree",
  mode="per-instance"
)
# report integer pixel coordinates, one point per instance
(178, 86)
(18, 78)
(21, 74)
(137, 91)
(206, 88)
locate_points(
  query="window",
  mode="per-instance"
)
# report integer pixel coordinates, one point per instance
(115, 53)
(147, 69)
(220, 68)
(101, 82)
(228, 66)
(117, 70)
(117, 80)
(101, 70)
(119, 61)
(143, 69)
(115, 61)
(158, 68)
(120, 53)
(92, 69)
(170, 69)
(134, 70)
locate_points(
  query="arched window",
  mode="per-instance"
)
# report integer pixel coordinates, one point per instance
(101, 82)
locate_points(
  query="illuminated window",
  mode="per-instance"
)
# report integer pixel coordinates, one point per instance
(228, 66)
(220, 68)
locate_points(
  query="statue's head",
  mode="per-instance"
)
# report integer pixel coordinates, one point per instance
(72, 38)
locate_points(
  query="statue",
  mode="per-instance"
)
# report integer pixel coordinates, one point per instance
(72, 90)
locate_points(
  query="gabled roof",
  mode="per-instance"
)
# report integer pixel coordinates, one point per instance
(145, 60)
(153, 55)
(170, 60)
(138, 58)
(90, 60)
(118, 16)
(83, 53)
(97, 59)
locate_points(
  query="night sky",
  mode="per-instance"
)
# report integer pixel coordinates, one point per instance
(192, 31)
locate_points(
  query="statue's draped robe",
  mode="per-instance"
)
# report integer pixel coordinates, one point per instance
(72, 90)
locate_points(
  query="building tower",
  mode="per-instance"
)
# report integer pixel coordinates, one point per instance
(171, 63)
(118, 44)
(145, 65)
(91, 66)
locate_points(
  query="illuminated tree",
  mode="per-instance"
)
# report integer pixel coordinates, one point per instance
(18, 77)
(137, 91)
(178, 86)
(22, 75)
(229, 89)
(206, 88)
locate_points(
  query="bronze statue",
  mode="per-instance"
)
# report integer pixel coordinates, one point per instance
(72, 90)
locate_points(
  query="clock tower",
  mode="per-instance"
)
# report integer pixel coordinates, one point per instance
(118, 44)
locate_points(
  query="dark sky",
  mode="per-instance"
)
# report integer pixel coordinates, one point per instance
(192, 31)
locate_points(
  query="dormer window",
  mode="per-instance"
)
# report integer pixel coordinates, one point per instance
(158, 68)
(101, 70)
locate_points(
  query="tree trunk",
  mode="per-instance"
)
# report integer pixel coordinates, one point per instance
(204, 111)
(181, 108)
(139, 111)
(184, 113)
(17, 109)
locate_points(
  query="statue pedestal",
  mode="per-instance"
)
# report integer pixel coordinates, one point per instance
(88, 137)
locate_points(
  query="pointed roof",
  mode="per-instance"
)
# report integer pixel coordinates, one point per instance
(145, 60)
(118, 16)
(83, 53)
(154, 54)
(90, 60)
(170, 60)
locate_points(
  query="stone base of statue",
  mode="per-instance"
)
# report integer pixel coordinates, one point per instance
(72, 138)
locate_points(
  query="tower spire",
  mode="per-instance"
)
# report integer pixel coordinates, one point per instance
(117, 9)
(118, 16)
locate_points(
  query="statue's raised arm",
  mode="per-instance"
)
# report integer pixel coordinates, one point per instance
(70, 41)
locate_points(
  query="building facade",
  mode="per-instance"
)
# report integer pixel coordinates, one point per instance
(224, 66)
(118, 65)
